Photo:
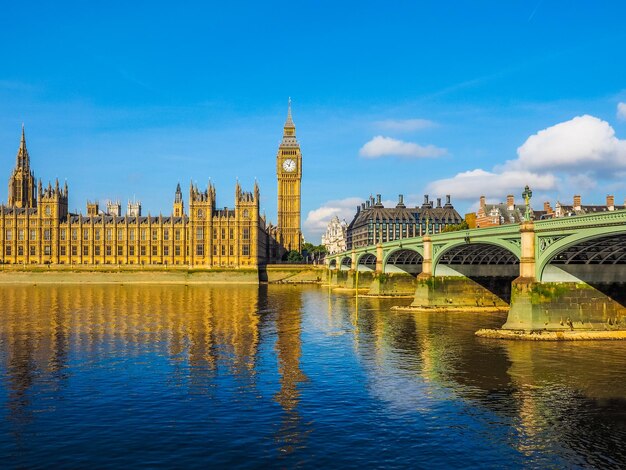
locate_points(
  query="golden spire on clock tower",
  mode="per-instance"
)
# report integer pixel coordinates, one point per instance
(289, 174)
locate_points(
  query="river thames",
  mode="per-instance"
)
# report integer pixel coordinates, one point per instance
(148, 376)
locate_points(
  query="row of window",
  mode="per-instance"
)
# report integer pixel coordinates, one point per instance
(418, 220)
(120, 234)
(108, 250)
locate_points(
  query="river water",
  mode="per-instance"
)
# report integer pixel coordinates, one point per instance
(196, 377)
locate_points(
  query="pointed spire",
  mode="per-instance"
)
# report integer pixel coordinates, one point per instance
(289, 130)
(289, 122)
(178, 196)
(22, 154)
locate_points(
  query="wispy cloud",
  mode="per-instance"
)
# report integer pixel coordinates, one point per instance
(405, 125)
(532, 15)
(621, 111)
(381, 146)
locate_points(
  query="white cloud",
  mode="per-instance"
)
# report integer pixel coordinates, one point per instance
(405, 125)
(580, 151)
(381, 146)
(582, 181)
(584, 143)
(317, 219)
(621, 111)
(472, 184)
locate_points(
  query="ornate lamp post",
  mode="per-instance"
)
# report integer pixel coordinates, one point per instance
(527, 194)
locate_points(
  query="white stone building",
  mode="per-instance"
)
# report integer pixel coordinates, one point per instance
(336, 236)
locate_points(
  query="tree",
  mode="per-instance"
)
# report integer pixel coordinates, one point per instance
(294, 257)
(455, 228)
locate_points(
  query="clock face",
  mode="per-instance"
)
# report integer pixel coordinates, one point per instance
(289, 165)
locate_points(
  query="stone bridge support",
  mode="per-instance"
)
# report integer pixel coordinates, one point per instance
(451, 288)
(571, 297)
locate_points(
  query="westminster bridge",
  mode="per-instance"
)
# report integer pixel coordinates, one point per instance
(559, 274)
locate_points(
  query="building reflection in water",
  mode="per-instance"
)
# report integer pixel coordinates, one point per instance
(197, 329)
(288, 317)
(204, 334)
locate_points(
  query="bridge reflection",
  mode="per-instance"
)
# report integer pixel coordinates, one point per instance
(550, 394)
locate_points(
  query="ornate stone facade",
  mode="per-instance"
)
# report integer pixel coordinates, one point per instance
(37, 228)
(336, 236)
(289, 175)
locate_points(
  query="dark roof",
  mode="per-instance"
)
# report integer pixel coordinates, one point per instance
(378, 213)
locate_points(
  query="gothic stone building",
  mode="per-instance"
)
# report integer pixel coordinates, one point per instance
(37, 228)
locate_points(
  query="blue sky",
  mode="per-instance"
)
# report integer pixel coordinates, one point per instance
(466, 97)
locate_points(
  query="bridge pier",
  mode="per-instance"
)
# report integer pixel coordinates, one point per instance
(562, 301)
(452, 291)
(563, 306)
(393, 284)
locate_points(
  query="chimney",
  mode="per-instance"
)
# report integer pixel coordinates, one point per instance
(358, 209)
(362, 206)
(482, 201)
(378, 200)
(400, 199)
(448, 203)
(367, 204)
(577, 202)
(439, 202)
(425, 199)
(610, 203)
(547, 208)
(510, 202)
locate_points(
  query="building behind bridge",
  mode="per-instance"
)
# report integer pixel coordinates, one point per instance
(490, 215)
(374, 223)
(335, 238)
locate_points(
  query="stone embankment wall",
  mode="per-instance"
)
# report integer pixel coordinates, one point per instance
(289, 274)
(293, 274)
(36, 275)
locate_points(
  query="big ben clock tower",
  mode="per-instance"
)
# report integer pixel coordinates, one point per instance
(289, 174)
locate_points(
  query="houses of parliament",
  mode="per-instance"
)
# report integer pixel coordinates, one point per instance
(37, 228)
